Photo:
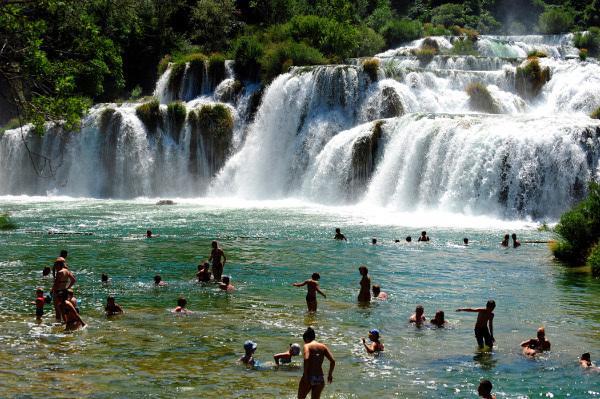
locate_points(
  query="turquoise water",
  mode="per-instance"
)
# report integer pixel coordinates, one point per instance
(149, 352)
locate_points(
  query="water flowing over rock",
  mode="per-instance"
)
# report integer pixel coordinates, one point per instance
(393, 132)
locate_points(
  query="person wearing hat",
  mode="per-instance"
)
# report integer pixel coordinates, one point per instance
(250, 348)
(286, 357)
(376, 345)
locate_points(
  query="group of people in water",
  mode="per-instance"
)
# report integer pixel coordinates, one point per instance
(314, 353)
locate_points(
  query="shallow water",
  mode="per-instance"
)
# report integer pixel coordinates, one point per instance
(149, 352)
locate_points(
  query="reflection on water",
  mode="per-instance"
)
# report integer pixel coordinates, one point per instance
(150, 352)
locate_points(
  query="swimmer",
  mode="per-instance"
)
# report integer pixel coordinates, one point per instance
(466, 241)
(516, 243)
(104, 279)
(215, 256)
(438, 320)
(40, 301)
(181, 304)
(248, 358)
(62, 282)
(376, 345)
(374, 241)
(112, 308)
(365, 285)
(313, 380)
(484, 326)
(533, 346)
(378, 294)
(70, 315)
(419, 316)
(408, 239)
(148, 233)
(286, 357)
(504, 242)
(46, 271)
(312, 287)
(585, 361)
(225, 284)
(72, 299)
(158, 282)
(485, 390)
(203, 273)
(339, 235)
(424, 237)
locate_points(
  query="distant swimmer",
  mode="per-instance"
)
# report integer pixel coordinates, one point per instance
(365, 285)
(419, 316)
(62, 282)
(516, 243)
(465, 241)
(313, 379)
(506, 240)
(408, 239)
(312, 287)
(112, 308)
(158, 281)
(104, 279)
(585, 361)
(46, 271)
(376, 345)
(374, 241)
(226, 285)
(533, 346)
(339, 235)
(424, 237)
(439, 320)
(203, 273)
(485, 390)
(248, 358)
(70, 316)
(181, 306)
(378, 294)
(484, 326)
(215, 257)
(286, 357)
(148, 233)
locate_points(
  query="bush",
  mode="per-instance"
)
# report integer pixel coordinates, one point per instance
(449, 14)
(396, 32)
(593, 260)
(555, 20)
(6, 223)
(463, 46)
(246, 52)
(589, 40)
(563, 251)
(371, 67)
(215, 120)
(370, 42)
(278, 58)
(176, 113)
(216, 68)
(435, 30)
(480, 98)
(531, 77)
(149, 114)
(595, 114)
(536, 54)
(583, 54)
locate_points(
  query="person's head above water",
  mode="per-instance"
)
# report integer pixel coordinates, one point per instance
(337, 230)
(541, 333)
(250, 346)
(148, 233)
(181, 302)
(215, 244)
(439, 316)
(514, 236)
(485, 388)
(491, 304)
(419, 310)
(423, 233)
(363, 270)
(315, 276)
(64, 253)
(46, 271)
(226, 280)
(295, 349)
(373, 240)
(309, 335)
(586, 357)
(506, 237)
(110, 300)
(374, 335)
(376, 290)
(104, 278)
(465, 240)
(157, 279)
(408, 238)
(39, 291)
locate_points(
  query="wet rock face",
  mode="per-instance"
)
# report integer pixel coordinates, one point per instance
(531, 78)
(391, 106)
(364, 154)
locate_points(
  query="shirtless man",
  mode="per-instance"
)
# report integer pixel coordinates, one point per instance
(215, 257)
(313, 380)
(63, 281)
(485, 318)
(419, 316)
(69, 314)
(63, 254)
(312, 287)
(506, 240)
(378, 294)
(339, 235)
(365, 285)
(516, 243)
(424, 237)
(533, 346)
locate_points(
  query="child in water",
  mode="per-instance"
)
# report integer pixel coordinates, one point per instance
(225, 284)
(376, 345)
(286, 357)
(40, 301)
(249, 348)
(112, 308)
(438, 320)
(181, 304)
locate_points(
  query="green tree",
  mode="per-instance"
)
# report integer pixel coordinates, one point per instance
(555, 20)
(214, 22)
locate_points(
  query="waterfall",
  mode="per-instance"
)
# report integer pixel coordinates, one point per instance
(409, 138)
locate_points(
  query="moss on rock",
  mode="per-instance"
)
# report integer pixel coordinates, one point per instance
(176, 114)
(371, 67)
(149, 114)
(214, 124)
(364, 154)
(531, 77)
(216, 68)
(480, 99)
(595, 114)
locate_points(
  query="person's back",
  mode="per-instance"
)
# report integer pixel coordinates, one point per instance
(516, 243)
(313, 378)
(485, 390)
(339, 235)
(505, 241)
(365, 285)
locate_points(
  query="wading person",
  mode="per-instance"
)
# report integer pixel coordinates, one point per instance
(63, 281)
(484, 326)
(215, 257)
(312, 287)
(339, 235)
(313, 379)
(533, 346)
(364, 296)
(69, 314)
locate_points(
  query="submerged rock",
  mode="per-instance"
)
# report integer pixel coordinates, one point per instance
(165, 202)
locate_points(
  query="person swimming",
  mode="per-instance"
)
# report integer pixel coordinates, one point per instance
(181, 306)
(465, 241)
(203, 273)
(312, 287)
(419, 316)
(408, 239)
(533, 346)
(339, 235)
(248, 358)
(104, 279)
(286, 357)
(438, 320)
(376, 345)
(158, 281)
(226, 285)
(516, 243)
(112, 308)
(506, 240)
(378, 294)
(373, 241)
(424, 237)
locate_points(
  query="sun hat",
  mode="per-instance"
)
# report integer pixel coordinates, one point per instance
(250, 345)
(374, 332)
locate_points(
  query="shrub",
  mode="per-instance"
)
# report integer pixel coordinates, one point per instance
(555, 20)
(246, 52)
(278, 58)
(371, 67)
(589, 40)
(531, 77)
(595, 114)
(463, 46)
(215, 120)
(563, 251)
(449, 14)
(435, 30)
(480, 98)
(13, 123)
(149, 114)
(216, 68)
(370, 42)
(176, 113)
(583, 54)
(6, 223)
(396, 32)
(593, 260)
(536, 54)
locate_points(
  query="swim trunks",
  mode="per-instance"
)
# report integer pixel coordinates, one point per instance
(483, 335)
(39, 312)
(311, 298)
(317, 380)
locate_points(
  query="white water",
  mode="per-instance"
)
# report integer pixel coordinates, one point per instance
(435, 154)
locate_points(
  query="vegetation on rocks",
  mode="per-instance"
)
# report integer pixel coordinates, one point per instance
(176, 114)
(481, 100)
(149, 114)
(6, 223)
(595, 114)
(371, 67)
(531, 77)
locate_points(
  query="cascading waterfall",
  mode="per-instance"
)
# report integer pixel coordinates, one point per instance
(408, 138)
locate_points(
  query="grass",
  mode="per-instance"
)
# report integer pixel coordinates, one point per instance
(536, 54)
(480, 98)
(149, 114)
(216, 68)
(371, 67)
(531, 77)
(464, 46)
(6, 223)
(13, 123)
(176, 112)
(595, 114)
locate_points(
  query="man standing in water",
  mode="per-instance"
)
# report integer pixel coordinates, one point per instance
(215, 258)
(313, 380)
(485, 318)
(312, 287)
(63, 281)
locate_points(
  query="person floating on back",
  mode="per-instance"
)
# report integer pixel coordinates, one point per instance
(312, 287)
(516, 243)
(419, 316)
(112, 308)
(248, 358)
(375, 346)
(215, 256)
(439, 320)
(286, 357)
(506, 240)
(203, 274)
(313, 379)
(226, 285)
(339, 235)
(485, 390)
(424, 237)
(484, 326)
(364, 295)
(533, 346)
(378, 294)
